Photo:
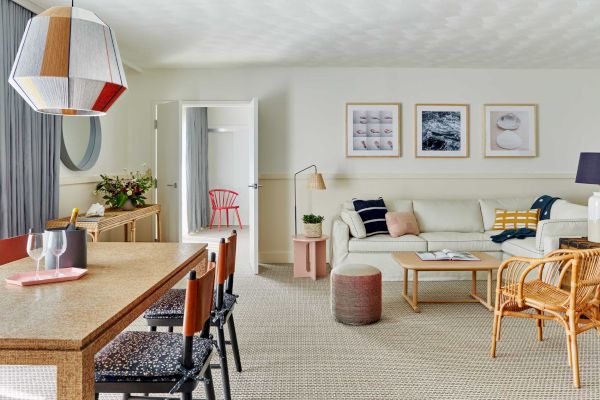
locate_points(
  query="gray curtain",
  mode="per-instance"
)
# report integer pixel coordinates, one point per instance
(29, 142)
(198, 203)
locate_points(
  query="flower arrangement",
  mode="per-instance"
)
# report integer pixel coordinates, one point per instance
(118, 190)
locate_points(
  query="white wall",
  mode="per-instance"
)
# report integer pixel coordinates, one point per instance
(301, 121)
(228, 156)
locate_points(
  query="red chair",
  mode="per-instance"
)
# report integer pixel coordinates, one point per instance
(13, 248)
(223, 199)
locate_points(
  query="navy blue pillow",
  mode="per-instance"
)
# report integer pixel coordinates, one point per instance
(372, 213)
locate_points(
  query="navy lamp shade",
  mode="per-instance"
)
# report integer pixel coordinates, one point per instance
(589, 168)
(589, 172)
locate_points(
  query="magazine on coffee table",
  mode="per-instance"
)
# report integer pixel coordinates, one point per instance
(446, 255)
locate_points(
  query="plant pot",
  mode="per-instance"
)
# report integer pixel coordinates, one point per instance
(313, 230)
(128, 206)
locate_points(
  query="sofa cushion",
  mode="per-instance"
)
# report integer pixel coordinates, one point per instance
(386, 243)
(489, 206)
(515, 219)
(392, 205)
(355, 223)
(461, 241)
(372, 212)
(522, 248)
(401, 223)
(448, 215)
(562, 209)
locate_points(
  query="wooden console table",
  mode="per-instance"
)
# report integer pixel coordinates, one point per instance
(113, 219)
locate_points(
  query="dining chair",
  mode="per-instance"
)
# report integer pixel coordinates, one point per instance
(223, 200)
(13, 248)
(168, 311)
(164, 362)
(530, 283)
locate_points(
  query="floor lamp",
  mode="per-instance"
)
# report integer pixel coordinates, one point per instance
(315, 182)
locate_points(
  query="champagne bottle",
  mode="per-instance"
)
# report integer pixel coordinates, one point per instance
(73, 221)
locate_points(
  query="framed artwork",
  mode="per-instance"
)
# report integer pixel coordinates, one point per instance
(442, 130)
(510, 130)
(373, 129)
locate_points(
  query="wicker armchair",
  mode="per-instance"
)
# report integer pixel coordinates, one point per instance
(526, 284)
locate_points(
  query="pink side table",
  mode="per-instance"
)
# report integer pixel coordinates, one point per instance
(309, 256)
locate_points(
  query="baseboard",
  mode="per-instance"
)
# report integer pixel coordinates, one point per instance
(275, 257)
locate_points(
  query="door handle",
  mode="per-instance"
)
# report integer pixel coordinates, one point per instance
(173, 185)
(255, 186)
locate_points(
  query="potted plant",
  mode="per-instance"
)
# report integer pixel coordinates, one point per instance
(126, 192)
(312, 225)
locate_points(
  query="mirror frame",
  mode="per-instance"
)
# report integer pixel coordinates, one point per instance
(91, 153)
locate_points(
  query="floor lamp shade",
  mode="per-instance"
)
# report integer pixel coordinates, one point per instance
(588, 171)
(68, 63)
(316, 182)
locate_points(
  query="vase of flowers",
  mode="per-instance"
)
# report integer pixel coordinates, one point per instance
(312, 225)
(126, 192)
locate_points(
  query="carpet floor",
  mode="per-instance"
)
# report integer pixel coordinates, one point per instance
(291, 348)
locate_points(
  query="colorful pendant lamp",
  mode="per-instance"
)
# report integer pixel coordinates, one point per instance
(68, 63)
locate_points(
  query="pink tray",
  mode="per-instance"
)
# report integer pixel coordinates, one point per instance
(29, 278)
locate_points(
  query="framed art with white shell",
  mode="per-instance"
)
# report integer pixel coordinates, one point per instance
(510, 130)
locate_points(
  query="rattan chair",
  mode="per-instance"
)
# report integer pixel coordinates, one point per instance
(168, 311)
(163, 362)
(539, 285)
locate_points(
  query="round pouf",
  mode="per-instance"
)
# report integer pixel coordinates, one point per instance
(356, 294)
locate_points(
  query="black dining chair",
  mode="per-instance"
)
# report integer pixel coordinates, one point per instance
(167, 311)
(164, 362)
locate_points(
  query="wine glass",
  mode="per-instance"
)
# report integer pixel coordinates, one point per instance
(57, 244)
(36, 248)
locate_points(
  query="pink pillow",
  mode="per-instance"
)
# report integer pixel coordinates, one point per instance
(401, 223)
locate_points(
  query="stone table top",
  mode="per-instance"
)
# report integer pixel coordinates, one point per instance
(69, 315)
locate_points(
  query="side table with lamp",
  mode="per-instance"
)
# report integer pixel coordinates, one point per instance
(309, 253)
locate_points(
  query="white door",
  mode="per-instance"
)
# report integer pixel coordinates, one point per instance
(168, 156)
(253, 186)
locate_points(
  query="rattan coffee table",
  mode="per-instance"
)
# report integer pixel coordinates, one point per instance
(409, 260)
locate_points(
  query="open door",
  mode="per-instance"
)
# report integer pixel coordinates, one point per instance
(253, 186)
(168, 166)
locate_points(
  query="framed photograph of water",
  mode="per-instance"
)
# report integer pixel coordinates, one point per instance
(510, 130)
(373, 129)
(442, 130)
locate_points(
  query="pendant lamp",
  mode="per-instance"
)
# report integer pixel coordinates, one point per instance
(68, 63)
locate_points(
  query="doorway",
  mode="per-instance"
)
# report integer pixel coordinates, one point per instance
(232, 164)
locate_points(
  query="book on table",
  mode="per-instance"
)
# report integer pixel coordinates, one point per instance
(446, 255)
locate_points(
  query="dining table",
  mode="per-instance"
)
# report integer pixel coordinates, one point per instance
(66, 323)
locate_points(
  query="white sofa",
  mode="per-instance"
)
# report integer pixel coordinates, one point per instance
(457, 225)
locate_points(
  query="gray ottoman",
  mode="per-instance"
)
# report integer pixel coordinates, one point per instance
(356, 294)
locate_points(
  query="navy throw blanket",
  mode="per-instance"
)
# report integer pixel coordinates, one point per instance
(520, 233)
(544, 203)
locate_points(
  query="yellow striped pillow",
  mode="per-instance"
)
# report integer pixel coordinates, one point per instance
(511, 219)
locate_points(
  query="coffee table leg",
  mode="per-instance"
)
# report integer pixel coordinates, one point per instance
(414, 301)
(487, 304)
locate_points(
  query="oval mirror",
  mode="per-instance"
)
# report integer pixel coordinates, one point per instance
(80, 143)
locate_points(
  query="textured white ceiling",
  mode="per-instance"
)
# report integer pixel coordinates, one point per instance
(354, 33)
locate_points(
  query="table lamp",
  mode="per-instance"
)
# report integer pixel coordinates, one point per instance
(315, 182)
(589, 172)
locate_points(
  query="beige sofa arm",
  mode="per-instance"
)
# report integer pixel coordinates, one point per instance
(550, 230)
(340, 235)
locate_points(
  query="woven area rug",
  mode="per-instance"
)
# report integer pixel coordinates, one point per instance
(291, 348)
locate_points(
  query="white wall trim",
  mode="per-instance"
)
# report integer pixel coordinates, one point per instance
(79, 180)
(458, 176)
(30, 5)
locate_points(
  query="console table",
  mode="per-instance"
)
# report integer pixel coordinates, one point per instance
(114, 218)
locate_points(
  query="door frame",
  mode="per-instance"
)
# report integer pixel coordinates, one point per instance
(154, 109)
(210, 103)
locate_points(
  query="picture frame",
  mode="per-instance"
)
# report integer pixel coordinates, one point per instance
(373, 129)
(510, 130)
(441, 130)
